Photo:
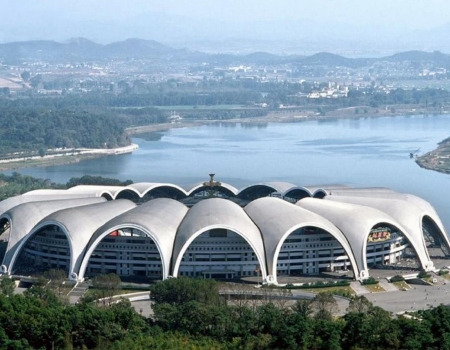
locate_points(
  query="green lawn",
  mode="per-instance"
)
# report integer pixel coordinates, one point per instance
(374, 288)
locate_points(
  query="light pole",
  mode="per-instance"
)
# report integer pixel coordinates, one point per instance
(211, 184)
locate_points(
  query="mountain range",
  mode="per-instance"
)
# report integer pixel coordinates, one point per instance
(81, 49)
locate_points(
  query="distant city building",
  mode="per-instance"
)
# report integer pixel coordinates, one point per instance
(212, 230)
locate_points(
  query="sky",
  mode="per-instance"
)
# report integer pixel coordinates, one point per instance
(182, 20)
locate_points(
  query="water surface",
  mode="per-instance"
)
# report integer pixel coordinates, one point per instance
(355, 152)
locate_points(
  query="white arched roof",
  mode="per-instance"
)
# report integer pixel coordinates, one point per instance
(217, 213)
(405, 213)
(11, 202)
(389, 194)
(80, 223)
(195, 187)
(277, 186)
(142, 188)
(277, 219)
(355, 221)
(25, 216)
(158, 219)
(97, 190)
(314, 189)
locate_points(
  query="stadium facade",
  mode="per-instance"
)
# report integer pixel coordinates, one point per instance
(268, 230)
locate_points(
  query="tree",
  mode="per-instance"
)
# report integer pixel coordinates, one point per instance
(106, 287)
(56, 280)
(359, 304)
(178, 291)
(42, 152)
(25, 75)
(324, 306)
(7, 286)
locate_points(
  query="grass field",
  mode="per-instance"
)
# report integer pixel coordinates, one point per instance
(374, 288)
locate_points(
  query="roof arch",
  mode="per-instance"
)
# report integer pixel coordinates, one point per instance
(144, 187)
(79, 224)
(264, 189)
(158, 219)
(405, 213)
(217, 213)
(100, 191)
(277, 219)
(227, 189)
(355, 221)
(410, 198)
(25, 216)
(11, 202)
(320, 191)
(297, 193)
(129, 194)
(164, 191)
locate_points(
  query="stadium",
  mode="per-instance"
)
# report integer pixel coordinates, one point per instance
(212, 230)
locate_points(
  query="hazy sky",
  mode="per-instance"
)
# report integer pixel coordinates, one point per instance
(408, 13)
(172, 20)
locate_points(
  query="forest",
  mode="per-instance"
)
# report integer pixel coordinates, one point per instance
(191, 314)
(99, 120)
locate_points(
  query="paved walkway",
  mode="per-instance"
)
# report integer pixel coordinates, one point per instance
(388, 287)
(77, 292)
(359, 288)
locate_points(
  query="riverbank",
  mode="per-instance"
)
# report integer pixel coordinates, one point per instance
(281, 115)
(294, 115)
(62, 157)
(438, 159)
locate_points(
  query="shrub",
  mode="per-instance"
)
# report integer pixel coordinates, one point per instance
(397, 278)
(443, 272)
(423, 274)
(369, 281)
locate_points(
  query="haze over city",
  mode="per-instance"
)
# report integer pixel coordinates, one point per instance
(285, 26)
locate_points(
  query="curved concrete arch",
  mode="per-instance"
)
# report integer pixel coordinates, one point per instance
(36, 229)
(178, 191)
(383, 193)
(98, 190)
(277, 219)
(249, 191)
(320, 194)
(79, 224)
(215, 213)
(342, 241)
(227, 189)
(107, 196)
(24, 217)
(91, 248)
(265, 189)
(144, 187)
(322, 190)
(355, 221)
(12, 202)
(291, 193)
(442, 237)
(158, 219)
(134, 194)
(260, 257)
(407, 214)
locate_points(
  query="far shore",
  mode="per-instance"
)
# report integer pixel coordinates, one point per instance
(282, 115)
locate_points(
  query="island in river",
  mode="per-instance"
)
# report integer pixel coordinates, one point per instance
(438, 159)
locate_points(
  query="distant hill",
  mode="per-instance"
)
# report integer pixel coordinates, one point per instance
(138, 48)
(84, 49)
(435, 57)
(329, 59)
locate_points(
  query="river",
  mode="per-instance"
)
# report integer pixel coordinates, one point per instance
(356, 152)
